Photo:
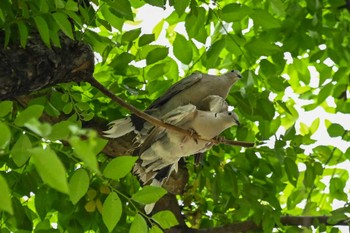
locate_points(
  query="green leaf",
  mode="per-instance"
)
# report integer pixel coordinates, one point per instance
(111, 18)
(195, 21)
(131, 35)
(42, 129)
(139, 225)
(123, 8)
(43, 29)
(78, 185)
(71, 5)
(50, 168)
(156, 55)
(155, 229)
(5, 135)
(146, 39)
(19, 151)
(111, 211)
(291, 170)
(33, 111)
(314, 125)
(265, 19)
(324, 93)
(180, 6)
(166, 219)
(261, 47)
(60, 131)
(235, 12)
(121, 62)
(182, 49)
(7, 35)
(64, 24)
(309, 176)
(336, 189)
(5, 196)
(158, 70)
(158, 3)
(59, 4)
(119, 167)
(86, 150)
(5, 107)
(23, 33)
(277, 7)
(335, 130)
(158, 29)
(149, 194)
(212, 56)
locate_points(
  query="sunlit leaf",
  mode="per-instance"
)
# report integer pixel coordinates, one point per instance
(50, 168)
(5, 196)
(148, 194)
(165, 218)
(64, 24)
(112, 211)
(5, 107)
(78, 185)
(20, 151)
(33, 111)
(119, 167)
(139, 225)
(43, 29)
(5, 135)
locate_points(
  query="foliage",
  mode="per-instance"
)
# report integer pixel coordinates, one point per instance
(52, 186)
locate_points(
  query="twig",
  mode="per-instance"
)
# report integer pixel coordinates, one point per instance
(156, 121)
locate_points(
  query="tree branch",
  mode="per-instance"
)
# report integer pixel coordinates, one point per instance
(156, 121)
(304, 221)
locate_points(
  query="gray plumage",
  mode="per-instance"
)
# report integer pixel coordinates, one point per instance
(163, 148)
(190, 90)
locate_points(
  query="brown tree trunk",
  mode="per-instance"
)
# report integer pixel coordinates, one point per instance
(24, 70)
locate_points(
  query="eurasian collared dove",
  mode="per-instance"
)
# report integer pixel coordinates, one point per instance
(190, 90)
(163, 148)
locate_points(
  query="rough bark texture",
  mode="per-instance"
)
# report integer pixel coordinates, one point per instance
(24, 70)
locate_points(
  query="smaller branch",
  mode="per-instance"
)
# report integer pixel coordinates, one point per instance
(156, 121)
(246, 226)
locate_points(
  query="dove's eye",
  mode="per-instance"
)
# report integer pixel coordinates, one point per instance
(230, 113)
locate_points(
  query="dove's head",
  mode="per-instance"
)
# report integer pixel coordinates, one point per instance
(230, 118)
(233, 76)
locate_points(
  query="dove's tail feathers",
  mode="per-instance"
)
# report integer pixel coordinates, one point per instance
(144, 176)
(119, 128)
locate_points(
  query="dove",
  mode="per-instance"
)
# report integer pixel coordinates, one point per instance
(190, 90)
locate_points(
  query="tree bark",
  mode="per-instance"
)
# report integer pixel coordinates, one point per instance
(25, 70)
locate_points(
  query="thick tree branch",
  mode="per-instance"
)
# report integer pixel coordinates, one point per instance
(24, 70)
(156, 121)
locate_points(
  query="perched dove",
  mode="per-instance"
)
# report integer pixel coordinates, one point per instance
(163, 148)
(190, 90)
